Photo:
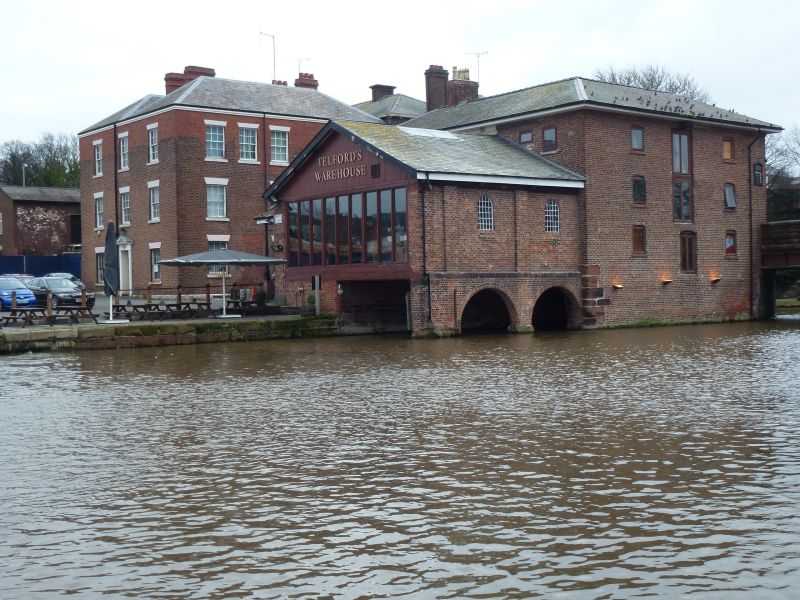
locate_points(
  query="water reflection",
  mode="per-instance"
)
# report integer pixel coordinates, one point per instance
(616, 463)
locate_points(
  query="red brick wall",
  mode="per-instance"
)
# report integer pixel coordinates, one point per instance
(181, 171)
(42, 228)
(7, 242)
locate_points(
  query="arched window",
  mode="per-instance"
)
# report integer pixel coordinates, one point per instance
(485, 214)
(551, 217)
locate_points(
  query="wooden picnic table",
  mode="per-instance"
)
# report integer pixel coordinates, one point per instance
(75, 314)
(27, 315)
(190, 308)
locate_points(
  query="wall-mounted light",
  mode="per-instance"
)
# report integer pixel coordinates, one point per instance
(277, 247)
(617, 284)
(666, 281)
(339, 289)
(714, 278)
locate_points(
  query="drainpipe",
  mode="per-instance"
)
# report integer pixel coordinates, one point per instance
(266, 187)
(750, 215)
(114, 144)
(424, 244)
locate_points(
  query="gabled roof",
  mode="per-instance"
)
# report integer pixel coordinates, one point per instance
(42, 194)
(578, 92)
(244, 96)
(444, 156)
(394, 105)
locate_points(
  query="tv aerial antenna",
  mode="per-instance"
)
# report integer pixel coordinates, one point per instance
(270, 35)
(478, 57)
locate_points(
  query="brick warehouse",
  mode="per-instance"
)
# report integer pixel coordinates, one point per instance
(185, 172)
(655, 215)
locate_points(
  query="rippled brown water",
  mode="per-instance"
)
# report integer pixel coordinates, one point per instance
(657, 462)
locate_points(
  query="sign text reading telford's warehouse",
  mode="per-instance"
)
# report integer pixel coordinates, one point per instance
(347, 169)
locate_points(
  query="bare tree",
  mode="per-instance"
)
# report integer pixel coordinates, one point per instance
(655, 77)
(783, 158)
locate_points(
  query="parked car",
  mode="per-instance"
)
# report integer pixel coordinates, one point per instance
(69, 276)
(8, 285)
(20, 276)
(64, 291)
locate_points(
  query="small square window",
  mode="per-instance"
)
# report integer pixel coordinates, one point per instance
(637, 138)
(549, 140)
(525, 137)
(730, 196)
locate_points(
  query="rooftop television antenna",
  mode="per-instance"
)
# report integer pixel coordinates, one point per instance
(270, 35)
(478, 56)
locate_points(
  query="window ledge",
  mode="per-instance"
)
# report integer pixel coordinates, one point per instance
(156, 282)
(731, 257)
(98, 228)
(125, 224)
(279, 163)
(544, 152)
(638, 254)
(639, 204)
(97, 175)
(216, 159)
(729, 161)
(218, 275)
(247, 161)
(155, 162)
(155, 220)
(219, 219)
(635, 151)
(729, 209)
(123, 169)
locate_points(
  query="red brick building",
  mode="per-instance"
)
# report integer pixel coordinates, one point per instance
(184, 172)
(655, 215)
(39, 221)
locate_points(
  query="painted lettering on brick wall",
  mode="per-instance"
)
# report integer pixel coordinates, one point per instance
(344, 163)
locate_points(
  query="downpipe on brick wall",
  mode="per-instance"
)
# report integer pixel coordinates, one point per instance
(750, 215)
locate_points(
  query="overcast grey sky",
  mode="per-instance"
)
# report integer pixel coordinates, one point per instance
(66, 65)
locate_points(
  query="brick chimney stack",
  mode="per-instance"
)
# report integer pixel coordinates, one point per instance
(435, 87)
(278, 82)
(460, 88)
(306, 80)
(173, 81)
(381, 91)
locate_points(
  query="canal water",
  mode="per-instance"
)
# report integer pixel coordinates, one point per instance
(651, 462)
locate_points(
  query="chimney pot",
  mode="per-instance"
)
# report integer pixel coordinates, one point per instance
(306, 80)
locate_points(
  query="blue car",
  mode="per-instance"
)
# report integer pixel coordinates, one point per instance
(25, 296)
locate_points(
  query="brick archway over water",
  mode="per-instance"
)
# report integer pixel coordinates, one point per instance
(487, 310)
(556, 309)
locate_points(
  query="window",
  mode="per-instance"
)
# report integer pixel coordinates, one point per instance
(155, 201)
(279, 144)
(98, 210)
(551, 216)
(248, 143)
(216, 200)
(123, 152)
(217, 270)
(125, 205)
(758, 174)
(485, 214)
(730, 196)
(688, 252)
(639, 239)
(152, 143)
(637, 138)
(682, 203)
(680, 153)
(728, 152)
(730, 243)
(549, 140)
(100, 265)
(1, 223)
(98, 158)
(155, 271)
(639, 190)
(525, 137)
(215, 140)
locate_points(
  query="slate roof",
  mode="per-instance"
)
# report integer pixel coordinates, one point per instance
(42, 194)
(395, 105)
(580, 92)
(245, 96)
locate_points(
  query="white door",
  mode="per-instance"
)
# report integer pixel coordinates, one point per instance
(125, 271)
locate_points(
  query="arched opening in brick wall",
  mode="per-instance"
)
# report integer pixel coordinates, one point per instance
(486, 312)
(556, 309)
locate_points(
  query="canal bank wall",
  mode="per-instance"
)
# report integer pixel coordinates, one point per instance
(137, 335)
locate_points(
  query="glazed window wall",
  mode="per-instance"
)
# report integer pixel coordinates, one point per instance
(355, 229)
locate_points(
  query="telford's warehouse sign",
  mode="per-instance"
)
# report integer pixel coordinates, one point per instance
(345, 163)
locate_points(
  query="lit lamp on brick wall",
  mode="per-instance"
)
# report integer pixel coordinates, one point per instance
(617, 284)
(666, 279)
(714, 277)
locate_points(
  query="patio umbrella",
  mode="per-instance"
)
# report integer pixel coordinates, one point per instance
(223, 258)
(111, 270)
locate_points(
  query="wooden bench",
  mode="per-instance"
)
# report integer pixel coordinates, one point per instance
(74, 314)
(28, 316)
